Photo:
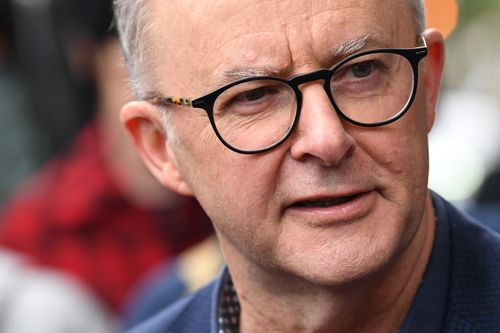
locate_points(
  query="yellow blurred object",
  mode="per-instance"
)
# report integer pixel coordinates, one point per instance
(443, 15)
(200, 264)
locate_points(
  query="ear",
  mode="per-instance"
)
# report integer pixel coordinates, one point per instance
(143, 123)
(434, 64)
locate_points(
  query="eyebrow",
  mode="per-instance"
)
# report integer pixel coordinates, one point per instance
(341, 50)
(354, 45)
(246, 72)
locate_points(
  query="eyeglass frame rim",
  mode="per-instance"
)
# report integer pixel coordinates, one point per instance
(206, 102)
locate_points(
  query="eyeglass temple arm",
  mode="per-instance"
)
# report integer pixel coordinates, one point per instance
(170, 100)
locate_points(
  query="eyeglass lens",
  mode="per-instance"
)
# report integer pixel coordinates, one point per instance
(373, 88)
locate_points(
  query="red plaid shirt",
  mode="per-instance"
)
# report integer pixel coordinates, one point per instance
(73, 217)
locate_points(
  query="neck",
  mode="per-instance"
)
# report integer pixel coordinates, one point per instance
(273, 302)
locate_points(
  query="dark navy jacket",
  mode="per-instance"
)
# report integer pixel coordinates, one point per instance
(460, 291)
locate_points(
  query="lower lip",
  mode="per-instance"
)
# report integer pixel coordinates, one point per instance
(348, 212)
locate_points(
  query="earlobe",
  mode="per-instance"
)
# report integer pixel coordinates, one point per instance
(143, 124)
(434, 64)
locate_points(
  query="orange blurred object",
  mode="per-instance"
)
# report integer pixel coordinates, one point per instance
(443, 15)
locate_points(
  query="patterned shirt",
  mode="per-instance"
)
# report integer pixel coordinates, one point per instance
(229, 308)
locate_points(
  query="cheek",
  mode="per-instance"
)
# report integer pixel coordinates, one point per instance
(230, 186)
(237, 195)
(398, 153)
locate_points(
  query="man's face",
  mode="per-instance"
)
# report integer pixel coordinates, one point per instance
(335, 201)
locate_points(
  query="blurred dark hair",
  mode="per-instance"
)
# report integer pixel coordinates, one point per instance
(90, 17)
(47, 33)
(6, 29)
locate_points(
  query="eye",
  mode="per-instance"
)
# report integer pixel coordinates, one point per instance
(362, 69)
(253, 95)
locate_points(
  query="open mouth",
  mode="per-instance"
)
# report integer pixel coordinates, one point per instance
(327, 202)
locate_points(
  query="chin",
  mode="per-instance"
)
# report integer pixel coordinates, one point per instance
(342, 266)
(342, 271)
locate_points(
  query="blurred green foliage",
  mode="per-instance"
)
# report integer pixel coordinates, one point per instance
(470, 9)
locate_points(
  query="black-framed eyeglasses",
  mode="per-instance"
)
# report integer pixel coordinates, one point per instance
(253, 115)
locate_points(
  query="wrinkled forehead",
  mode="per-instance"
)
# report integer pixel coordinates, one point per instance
(198, 44)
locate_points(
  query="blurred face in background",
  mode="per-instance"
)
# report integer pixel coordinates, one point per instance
(335, 202)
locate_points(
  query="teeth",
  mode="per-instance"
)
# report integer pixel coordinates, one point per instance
(325, 202)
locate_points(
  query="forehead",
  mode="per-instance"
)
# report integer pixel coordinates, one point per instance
(197, 43)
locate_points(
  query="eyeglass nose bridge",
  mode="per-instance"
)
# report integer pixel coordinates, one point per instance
(321, 74)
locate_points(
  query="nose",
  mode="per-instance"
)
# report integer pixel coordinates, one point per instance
(320, 133)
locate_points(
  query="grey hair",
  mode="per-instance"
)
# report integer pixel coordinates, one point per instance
(133, 26)
(418, 8)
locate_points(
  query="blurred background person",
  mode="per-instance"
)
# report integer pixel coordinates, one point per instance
(21, 145)
(93, 210)
(33, 300)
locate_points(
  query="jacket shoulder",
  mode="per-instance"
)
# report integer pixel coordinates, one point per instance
(188, 315)
(474, 292)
